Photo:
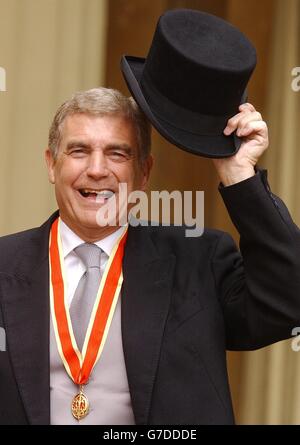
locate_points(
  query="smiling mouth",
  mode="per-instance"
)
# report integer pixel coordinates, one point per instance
(98, 195)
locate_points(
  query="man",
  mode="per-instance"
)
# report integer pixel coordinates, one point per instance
(161, 343)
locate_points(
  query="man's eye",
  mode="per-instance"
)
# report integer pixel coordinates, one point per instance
(119, 156)
(77, 152)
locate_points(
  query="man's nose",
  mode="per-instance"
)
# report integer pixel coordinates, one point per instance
(97, 165)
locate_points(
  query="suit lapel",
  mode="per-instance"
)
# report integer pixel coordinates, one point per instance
(25, 304)
(146, 295)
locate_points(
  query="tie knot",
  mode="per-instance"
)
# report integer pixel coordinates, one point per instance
(90, 254)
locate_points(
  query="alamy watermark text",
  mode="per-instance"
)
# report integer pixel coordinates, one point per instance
(2, 79)
(296, 79)
(2, 340)
(186, 207)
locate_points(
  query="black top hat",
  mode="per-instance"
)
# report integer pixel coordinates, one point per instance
(193, 80)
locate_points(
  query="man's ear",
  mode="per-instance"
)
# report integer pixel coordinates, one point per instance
(146, 170)
(50, 165)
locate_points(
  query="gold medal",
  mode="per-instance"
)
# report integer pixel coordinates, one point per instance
(80, 405)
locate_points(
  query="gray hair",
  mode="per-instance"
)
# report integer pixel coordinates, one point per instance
(102, 102)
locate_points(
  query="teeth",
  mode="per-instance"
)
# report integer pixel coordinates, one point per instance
(86, 191)
(99, 193)
(105, 194)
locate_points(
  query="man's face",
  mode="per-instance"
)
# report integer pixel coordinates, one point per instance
(95, 155)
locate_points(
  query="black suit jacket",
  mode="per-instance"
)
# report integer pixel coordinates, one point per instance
(184, 302)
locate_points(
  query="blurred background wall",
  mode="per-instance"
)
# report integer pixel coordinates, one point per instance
(51, 48)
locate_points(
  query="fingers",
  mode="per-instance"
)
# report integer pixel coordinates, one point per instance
(240, 121)
(254, 126)
(244, 122)
(246, 106)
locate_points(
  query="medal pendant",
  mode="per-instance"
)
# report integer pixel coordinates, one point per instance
(80, 405)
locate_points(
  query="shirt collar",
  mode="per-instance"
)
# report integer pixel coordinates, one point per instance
(70, 240)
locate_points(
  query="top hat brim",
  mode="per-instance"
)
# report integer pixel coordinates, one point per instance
(210, 146)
